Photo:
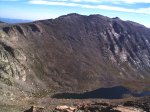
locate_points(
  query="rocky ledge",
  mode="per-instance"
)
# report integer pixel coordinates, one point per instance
(98, 107)
(132, 105)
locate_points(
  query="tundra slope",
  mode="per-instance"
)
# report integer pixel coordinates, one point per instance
(73, 53)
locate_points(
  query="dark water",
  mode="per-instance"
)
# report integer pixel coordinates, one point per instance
(144, 93)
(116, 92)
(106, 93)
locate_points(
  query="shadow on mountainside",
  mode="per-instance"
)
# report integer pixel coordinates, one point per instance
(106, 93)
(116, 92)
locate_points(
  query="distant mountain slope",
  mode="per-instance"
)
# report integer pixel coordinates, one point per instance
(8, 20)
(1, 22)
(74, 53)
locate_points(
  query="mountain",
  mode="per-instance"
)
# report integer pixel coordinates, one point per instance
(8, 20)
(72, 53)
(1, 22)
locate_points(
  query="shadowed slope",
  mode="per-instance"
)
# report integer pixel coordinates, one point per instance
(106, 93)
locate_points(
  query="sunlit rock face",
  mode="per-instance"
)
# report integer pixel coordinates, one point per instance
(74, 53)
(10, 63)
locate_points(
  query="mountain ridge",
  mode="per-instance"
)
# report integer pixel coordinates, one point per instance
(13, 21)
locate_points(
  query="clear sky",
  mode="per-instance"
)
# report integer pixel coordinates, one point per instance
(134, 10)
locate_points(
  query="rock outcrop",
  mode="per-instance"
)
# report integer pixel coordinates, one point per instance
(35, 109)
(99, 107)
(143, 103)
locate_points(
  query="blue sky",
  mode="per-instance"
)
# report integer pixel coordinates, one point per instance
(134, 10)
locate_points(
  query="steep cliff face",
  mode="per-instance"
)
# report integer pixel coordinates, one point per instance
(74, 53)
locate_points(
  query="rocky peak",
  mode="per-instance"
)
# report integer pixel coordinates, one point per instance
(116, 18)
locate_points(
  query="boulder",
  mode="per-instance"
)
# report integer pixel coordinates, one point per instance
(35, 109)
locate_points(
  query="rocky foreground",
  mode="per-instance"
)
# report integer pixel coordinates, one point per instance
(132, 105)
